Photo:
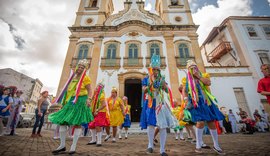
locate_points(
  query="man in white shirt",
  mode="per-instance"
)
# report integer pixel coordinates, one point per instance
(233, 121)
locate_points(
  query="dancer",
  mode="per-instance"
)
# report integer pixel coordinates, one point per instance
(40, 112)
(117, 113)
(5, 103)
(156, 108)
(101, 116)
(201, 104)
(127, 120)
(178, 131)
(76, 110)
(15, 115)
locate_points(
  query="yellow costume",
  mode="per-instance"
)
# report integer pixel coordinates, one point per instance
(116, 116)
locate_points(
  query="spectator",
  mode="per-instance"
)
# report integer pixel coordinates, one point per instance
(40, 113)
(264, 83)
(233, 121)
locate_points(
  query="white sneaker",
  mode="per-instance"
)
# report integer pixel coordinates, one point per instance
(107, 138)
(113, 140)
(120, 137)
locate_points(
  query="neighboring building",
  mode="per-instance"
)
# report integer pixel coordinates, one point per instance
(119, 46)
(31, 87)
(233, 53)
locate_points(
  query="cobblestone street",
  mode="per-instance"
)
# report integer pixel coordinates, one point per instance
(233, 144)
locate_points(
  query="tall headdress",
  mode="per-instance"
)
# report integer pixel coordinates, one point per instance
(155, 61)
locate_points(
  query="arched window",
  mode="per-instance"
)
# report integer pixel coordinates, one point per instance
(183, 51)
(154, 49)
(83, 52)
(133, 51)
(111, 52)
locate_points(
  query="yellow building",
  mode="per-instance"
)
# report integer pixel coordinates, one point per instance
(119, 46)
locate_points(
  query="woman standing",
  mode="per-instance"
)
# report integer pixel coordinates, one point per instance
(40, 113)
(5, 103)
(116, 110)
(127, 120)
(76, 110)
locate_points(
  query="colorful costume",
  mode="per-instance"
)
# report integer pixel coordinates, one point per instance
(127, 121)
(102, 117)
(201, 103)
(75, 111)
(5, 100)
(74, 114)
(116, 116)
(156, 109)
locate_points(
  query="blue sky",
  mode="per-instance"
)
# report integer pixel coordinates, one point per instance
(259, 7)
(34, 33)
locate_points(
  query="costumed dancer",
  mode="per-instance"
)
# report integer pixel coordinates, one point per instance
(76, 109)
(15, 115)
(156, 109)
(127, 120)
(178, 131)
(185, 116)
(101, 115)
(117, 113)
(5, 103)
(202, 105)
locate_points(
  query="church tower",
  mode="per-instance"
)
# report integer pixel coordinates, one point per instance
(119, 46)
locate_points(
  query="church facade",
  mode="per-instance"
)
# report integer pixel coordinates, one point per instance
(119, 46)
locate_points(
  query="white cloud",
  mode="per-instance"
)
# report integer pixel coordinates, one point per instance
(210, 16)
(269, 2)
(41, 28)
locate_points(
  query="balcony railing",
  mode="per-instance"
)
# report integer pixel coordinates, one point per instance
(133, 62)
(182, 62)
(163, 62)
(75, 61)
(110, 63)
(222, 49)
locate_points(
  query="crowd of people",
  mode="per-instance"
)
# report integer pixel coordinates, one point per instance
(85, 110)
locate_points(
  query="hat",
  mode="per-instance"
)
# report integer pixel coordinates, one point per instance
(114, 89)
(155, 61)
(190, 63)
(84, 63)
(19, 91)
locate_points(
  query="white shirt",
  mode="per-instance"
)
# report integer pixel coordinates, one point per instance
(3, 103)
(265, 116)
(18, 101)
(231, 117)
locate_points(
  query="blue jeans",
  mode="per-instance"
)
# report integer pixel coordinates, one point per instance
(39, 121)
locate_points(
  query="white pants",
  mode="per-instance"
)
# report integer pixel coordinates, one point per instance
(234, 127)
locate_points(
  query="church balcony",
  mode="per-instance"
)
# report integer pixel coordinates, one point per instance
(75, 60)
(134, 63)
(222, 49)
(109, 63)
(162, 65)
(182, 62)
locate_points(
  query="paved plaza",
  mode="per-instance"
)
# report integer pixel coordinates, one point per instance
(233, 144)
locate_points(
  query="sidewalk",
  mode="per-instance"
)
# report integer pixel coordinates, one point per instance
(233, 144)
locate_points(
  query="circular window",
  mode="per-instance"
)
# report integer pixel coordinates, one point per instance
(178, 19)
(89, 20)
